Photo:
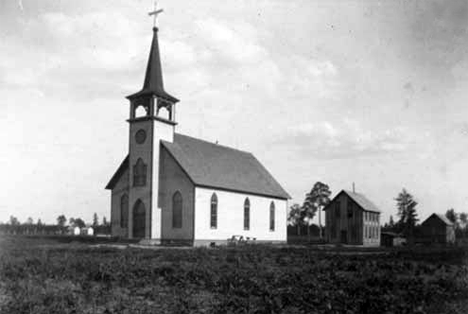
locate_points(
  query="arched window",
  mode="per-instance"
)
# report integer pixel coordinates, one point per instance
(177, 210)
(141, 111)
(214, 212)
(139, 173)
(124, 211)
(139, 219)
(246, 214)
(272, 216)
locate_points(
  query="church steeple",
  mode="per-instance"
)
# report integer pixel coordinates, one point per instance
(152, 97)
(153, 84)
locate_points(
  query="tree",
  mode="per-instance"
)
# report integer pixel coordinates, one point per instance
(316, 199)
(295, 217)
(62, 220)
(95, 220)
(391, 223)
(29, 221)
(407, 212)
(463, 218)
(39, 222)
(451, 215)
(104, 221)
(14, 221)
(78, 222)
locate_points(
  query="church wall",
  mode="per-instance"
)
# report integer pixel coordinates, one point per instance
(120, 188)
(231, 217)
(143, 151)
(172, 179)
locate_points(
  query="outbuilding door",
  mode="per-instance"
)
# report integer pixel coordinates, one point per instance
(139, 213)
(344, 236)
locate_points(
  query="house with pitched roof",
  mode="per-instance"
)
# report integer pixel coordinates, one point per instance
(176, 188)
(437, 229)
(351, 218)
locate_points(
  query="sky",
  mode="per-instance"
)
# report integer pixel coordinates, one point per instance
(341, 91)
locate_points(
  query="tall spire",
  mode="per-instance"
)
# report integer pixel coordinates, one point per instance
(153, 84)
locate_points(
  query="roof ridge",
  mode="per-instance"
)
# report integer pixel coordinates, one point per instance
(214, 144)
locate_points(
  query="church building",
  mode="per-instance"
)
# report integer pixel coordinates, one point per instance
(174, 188)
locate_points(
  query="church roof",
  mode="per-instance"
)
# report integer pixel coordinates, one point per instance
(360, 199)
(153, 84)
(216, 166)
(115, 178)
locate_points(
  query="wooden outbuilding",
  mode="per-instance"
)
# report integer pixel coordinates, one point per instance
(353, 219)
(390, 239)
(437, 229)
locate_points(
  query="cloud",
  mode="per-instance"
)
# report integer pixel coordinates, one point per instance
(342, 140)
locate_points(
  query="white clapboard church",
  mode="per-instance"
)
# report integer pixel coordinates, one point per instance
(173, 188)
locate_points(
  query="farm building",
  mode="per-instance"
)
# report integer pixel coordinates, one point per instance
(176, 188)
(390, 239)
(351, 218)
(437, 229)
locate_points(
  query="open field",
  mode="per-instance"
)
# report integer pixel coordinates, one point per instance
(47, 276)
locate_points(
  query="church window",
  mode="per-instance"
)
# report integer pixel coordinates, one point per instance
(247, 214)
(214, 212)
(139, 173)
(124, 211)
(272, 216)
(177, 210)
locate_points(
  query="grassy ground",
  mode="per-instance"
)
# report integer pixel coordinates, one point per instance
(51, 276)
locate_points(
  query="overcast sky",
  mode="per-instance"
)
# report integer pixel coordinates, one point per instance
(369, 92)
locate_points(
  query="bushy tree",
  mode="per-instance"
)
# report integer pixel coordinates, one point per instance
(14, 221)
(451, 215)
(61, 220)
(29, 221)
(39, 222)
(316, 200)
(78, 222)
(295, 217)
(407, 213)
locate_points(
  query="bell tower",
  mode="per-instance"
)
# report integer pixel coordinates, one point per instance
(152, 119)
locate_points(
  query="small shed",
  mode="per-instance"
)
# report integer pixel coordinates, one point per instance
(437, 229)
(390, 239)
(76, 231)
(87, 231)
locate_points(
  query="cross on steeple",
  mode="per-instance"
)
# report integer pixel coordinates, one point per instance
(155, 13)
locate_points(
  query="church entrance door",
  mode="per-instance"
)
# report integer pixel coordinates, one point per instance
(139, 214)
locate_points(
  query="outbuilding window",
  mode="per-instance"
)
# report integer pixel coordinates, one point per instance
(247, 214)
(214, 212)
(337, 210)
(177, 210)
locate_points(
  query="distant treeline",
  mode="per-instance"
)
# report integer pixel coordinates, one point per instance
(43, 229)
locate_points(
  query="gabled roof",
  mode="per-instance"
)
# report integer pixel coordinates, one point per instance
(153, 84)
(216, 166)
(113, 181)
(442, 217)
(360, 199)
